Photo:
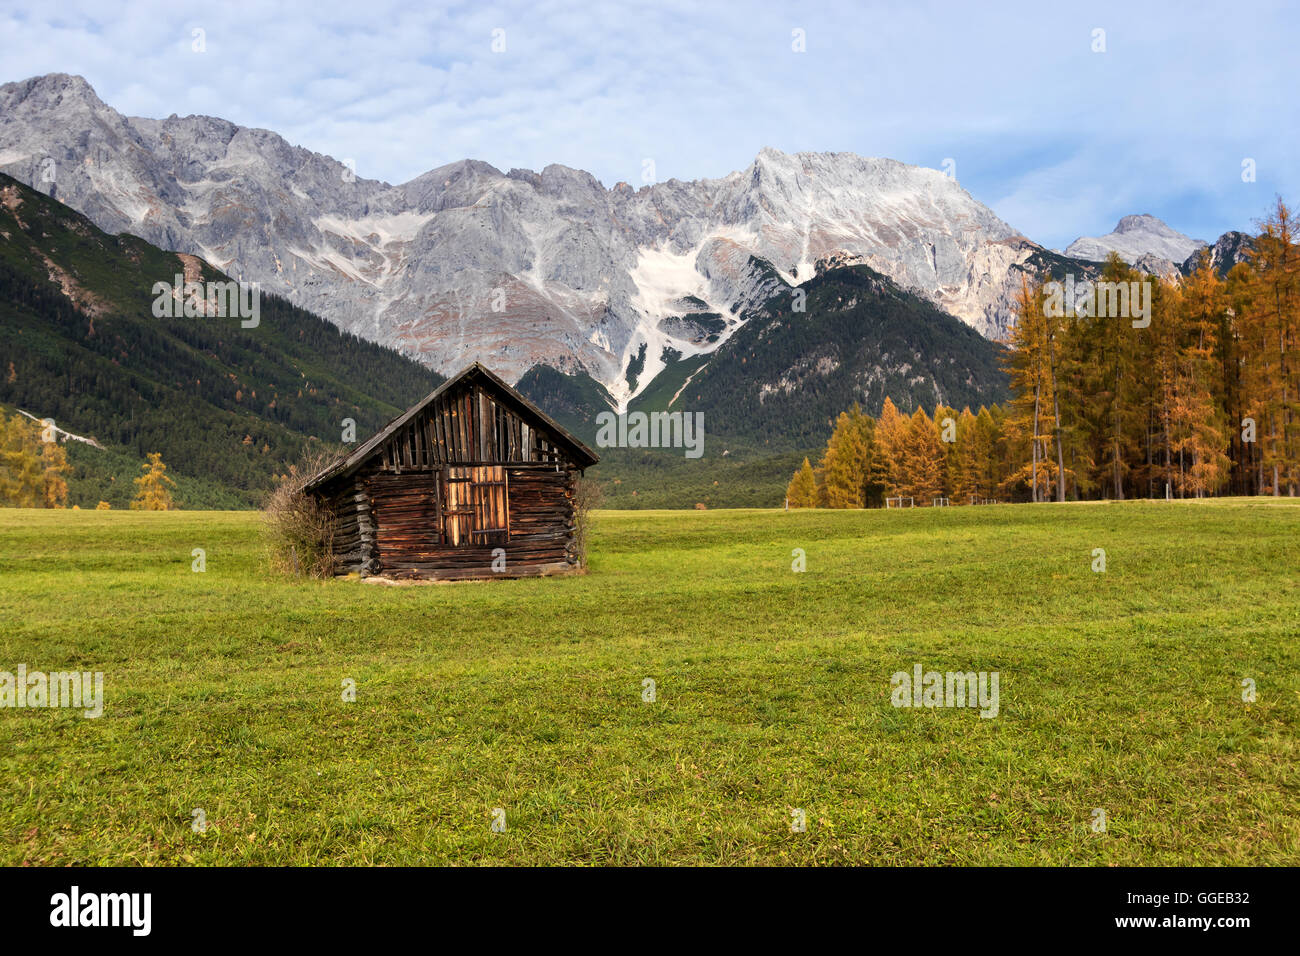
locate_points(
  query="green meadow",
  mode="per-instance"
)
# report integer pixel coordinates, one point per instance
(1119, 691)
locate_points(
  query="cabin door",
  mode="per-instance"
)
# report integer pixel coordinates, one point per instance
(476, 508)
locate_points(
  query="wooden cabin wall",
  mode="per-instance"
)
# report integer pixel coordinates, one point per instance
(465, 476)
(353, 526)
(467, 427)
(404, 534)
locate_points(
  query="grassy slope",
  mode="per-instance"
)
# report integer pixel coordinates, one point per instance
(664, 478)
(1118, 690)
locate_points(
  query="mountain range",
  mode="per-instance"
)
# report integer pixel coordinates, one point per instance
(230, 406)
(524, 268)
(770, 299)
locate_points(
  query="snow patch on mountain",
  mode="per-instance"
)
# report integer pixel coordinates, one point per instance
(664, 281)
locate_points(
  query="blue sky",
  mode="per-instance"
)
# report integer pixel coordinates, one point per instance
(1058, 139)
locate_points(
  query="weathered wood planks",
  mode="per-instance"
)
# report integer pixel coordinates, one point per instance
(468, 484)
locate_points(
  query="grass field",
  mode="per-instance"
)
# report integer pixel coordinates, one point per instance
(1119, 690)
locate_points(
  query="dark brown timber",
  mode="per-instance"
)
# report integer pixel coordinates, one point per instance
(472, 482)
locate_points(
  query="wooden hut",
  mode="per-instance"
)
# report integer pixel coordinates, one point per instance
(473, 474)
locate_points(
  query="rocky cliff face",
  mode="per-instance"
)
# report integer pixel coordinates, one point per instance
(1226, 251)
(514, 268)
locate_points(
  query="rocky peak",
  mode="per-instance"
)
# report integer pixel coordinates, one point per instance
(1133, 237)
(52, 89)
(1229, 249)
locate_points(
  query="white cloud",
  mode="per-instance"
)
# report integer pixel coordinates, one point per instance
(1059, 140)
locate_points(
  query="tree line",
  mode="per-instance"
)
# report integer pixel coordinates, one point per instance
(34, 469)
(1130, 386)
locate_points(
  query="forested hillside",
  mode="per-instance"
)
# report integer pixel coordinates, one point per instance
(848, 335)
(227, 405)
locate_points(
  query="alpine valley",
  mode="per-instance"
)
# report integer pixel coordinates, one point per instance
(770, 299)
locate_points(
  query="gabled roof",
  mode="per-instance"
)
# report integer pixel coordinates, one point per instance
(582, 456)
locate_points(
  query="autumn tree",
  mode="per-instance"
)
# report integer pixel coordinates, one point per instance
(1232, 377)
(152, 492)
(1273, 322)
(1029, 364)
(921, 459)
(945, 424)
(844, 466)
(1113, 405)
(802, 492)
(966, 459)
(22, 480)
(1123, 385)
(890, 430)
(54, 465)
(875, 475)
(1199, 431)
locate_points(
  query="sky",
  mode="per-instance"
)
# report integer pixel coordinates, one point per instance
(1060, 117)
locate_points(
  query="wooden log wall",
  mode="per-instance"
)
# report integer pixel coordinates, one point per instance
(465, 476)
(406, 512)
(540, 538)
(353, 527)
